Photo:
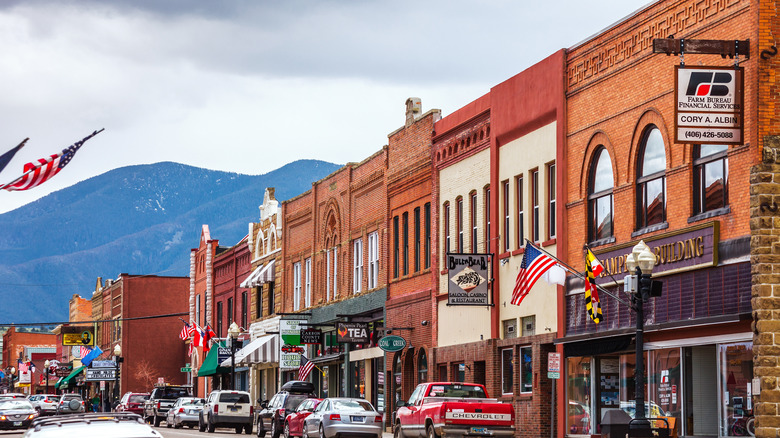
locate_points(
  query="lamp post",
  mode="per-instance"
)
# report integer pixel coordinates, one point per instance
(117, 358)
(233, 332)
(46, 365)
(11, 373)
(641, 262)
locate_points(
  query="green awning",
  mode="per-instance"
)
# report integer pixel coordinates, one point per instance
(66, 381)
(210, 364)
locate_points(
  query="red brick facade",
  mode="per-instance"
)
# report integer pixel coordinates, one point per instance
(231, 267)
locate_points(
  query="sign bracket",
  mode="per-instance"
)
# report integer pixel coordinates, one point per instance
(724, 48)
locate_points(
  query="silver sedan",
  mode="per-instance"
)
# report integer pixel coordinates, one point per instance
(185, 412)
(335, 417)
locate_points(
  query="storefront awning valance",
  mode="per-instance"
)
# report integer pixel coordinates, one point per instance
(66, 381)
(210, 363)
(261, 350)
(261, 274)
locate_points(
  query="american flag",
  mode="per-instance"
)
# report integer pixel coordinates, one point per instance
(305, 368)
(534, 264)
(36, 173)
(84, 351)
(22, 366)
(185, 332)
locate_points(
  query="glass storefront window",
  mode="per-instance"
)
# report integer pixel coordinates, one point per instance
(526, 369)
(736, 375)
(578, 388)
(664, 385)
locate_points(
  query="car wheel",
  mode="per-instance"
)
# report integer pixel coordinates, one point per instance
(432, 432)
(248, 429)
(168, 424)
(192, 426)
(286, 430)
(322, 431)
(179, 425)
(201, 426)
(260, 430)
(397, 430)
(239, 429)
(210, 427)
(157, 420)
(304, 433)
(275, 432)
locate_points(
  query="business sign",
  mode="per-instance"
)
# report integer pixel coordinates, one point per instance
(311, 336)
(223, 354)
(352, 332)
(63, 371)
(290, 334)
(468, 279)
(678, 251)
(709, 105)
(103, 364)
(99, 374)
(77, 336)
(392, 343)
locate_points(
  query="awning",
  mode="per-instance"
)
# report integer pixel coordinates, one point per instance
(66, 381)
(210, 365)
(263, 349)
(261, 274)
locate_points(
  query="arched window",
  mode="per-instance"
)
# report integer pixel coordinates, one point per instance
(422, 367)
(651, 180)
(710, 177)
(600, 196)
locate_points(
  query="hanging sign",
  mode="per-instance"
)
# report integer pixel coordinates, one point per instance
(709, 105)
(290, 334)
(467, 274)
(352, 332)
(311, 336)
(392, 343)
(77, 336)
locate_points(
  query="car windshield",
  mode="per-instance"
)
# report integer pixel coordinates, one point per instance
(174, 393)
(227, 397)
(352, 405)
(71, 397)
(293, 400)
(15, 404)
(193, 402)
(457, 390)
(137, 398)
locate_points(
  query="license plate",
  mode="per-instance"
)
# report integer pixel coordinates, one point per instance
(480, 430)
(234, 408)
(17, 423)
(356, 419)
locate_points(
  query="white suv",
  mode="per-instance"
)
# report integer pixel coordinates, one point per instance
(45, 404)
(227, 409)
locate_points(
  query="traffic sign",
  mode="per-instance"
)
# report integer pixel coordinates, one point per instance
(186, 369)
(553, 375)
(553, 365)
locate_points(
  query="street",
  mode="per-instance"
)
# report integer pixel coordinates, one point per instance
(173, 433)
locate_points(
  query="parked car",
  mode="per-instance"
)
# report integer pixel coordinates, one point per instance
(227, 409)
(12, 395)
(161, 399)
(293, 424)
(185, 412)
(271, 416)
(70, 404)
(16, 414)
(133, 402)
(335, 417)
(45, 404)
(92, 425)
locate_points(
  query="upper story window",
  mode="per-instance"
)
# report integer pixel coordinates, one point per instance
(710, 177)
(506, 197)
(535, 205)
(357, 277)
(600, 207)
(308, 282)
(373, 259)
(447, 228)
(520, 225)
(396, 246)
(417, 239)
(296, 286)
(427, 219)
(487, 220)
(405, 217)
(460, 224)
(551, 201)
(474, 228)
(651, 180)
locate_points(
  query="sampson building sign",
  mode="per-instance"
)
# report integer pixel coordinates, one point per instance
(677, 251)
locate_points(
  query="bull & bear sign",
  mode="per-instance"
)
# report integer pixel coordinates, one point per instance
(468, 279)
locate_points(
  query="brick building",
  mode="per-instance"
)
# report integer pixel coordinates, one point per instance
(329, 233)
(19, 345)
(411, 288)
(626, 179)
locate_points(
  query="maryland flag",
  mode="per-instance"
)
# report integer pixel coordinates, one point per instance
(592, 303)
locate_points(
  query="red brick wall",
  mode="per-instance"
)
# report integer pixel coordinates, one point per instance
(231, 267)
(14, 343)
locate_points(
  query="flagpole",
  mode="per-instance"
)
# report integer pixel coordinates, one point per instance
(575, 272)
(605, 268)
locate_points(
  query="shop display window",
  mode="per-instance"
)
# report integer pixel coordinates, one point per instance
(736, 375)
(526, 369)
(578, 388)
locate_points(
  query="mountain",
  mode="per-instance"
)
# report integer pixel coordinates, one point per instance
(138, 219)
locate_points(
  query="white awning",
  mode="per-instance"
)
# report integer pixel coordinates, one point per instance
(261, 274)
(261, 350)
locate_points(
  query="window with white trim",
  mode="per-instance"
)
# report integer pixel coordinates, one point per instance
(297, 286)
(327, 275)
(335, 271)
(308, 282)
(357, 277)
(373, 259)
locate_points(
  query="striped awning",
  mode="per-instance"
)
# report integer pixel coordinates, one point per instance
(262, 350)
(261, 274)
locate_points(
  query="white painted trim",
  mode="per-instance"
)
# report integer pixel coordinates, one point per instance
(705, 340)
(365, 353)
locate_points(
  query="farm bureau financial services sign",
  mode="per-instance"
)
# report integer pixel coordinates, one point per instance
(709, 105)
(468, 274)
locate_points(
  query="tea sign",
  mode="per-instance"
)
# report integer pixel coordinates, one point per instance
(392, 343)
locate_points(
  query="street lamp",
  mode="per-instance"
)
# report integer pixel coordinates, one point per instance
(46, 365)
(233, 332)
(641, 262)
(117, 358)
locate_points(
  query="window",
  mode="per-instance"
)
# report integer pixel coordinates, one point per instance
(473, 216)
(396, 248)
(526, 370)
(459, 218)
(520, 226)
(271, 299)
(651, 181)
(507, 371)
(297, 286)
(373, 259)
(197, 310)
(357, 252)
(510, 328)
(529, 325)
(427, 263)
(243, 310)
(487, 220)
(219, 319)
(259, 302)
(422, 367)
(447, 228)
(230, 311)
(535, 205)
(406, 242)
(710, 176)
(335, 271)
(600, 197)
(551, 196)
(417, 239)
(308, 282)
(327, 274)
(506, 216)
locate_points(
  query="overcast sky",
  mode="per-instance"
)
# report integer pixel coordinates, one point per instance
(248, 86)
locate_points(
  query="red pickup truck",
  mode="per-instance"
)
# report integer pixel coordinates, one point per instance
(453, 409)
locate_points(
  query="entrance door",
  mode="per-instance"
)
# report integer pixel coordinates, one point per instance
(701, 394)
